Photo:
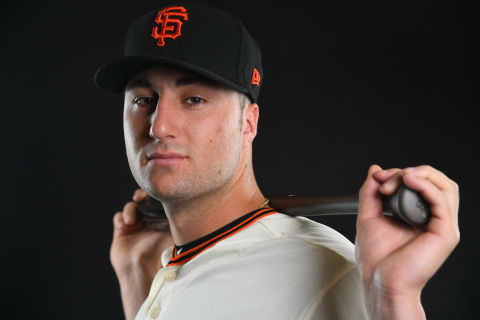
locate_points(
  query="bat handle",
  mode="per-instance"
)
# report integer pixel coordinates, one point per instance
(408, 205)
(405, 204)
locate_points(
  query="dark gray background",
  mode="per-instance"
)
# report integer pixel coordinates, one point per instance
(346, 85)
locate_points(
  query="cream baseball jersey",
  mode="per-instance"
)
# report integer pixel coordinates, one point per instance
(264, 265)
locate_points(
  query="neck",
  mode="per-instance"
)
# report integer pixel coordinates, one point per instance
(194, 218)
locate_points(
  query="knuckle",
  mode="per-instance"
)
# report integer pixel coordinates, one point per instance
(409, 170)
(452, 187)
(392, 170)
(454, 240)
(138, 192)
(117, 215)
(129, 206)
(454, 237)
(424, 169)
(139, 195)
(456, 187)
(457, 237)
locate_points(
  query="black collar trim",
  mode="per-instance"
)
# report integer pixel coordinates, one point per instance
(182, 254)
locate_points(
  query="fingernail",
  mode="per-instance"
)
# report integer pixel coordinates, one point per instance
(387, 186)
(372, 167)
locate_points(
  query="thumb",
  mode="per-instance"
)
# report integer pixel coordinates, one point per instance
(370, 201)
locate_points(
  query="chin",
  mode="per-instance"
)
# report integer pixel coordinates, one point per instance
(161, 187)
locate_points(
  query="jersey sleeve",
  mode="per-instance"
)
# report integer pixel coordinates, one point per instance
(342, 300)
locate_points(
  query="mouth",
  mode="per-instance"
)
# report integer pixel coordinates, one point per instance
(165, 158)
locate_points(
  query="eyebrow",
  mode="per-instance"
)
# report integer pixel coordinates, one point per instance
(138, 83)
(181, 82)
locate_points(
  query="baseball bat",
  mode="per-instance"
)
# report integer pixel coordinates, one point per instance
(405, 204)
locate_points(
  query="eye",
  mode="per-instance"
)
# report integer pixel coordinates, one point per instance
(145, 101)
(194, 101)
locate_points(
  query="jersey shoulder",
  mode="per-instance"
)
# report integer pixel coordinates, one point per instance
(304, 232)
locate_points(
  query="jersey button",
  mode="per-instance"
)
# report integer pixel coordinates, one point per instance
(170, 275)
(154, 312)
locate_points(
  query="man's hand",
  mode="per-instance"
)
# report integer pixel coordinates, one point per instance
(135, 253)
(395, 259)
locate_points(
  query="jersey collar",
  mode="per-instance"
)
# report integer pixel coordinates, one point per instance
(185, 253)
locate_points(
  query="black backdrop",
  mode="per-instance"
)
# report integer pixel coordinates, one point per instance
(346, 85)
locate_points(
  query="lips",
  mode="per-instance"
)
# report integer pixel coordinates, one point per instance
(165, 158)
(164, 155)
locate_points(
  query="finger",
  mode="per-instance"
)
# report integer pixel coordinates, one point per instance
(118, 220)
(442, 182)
(130, 213)
(139, 195)
(384, 175)
(118, 225)
(121, 228)
(370, 203)
(438, 178)
(392, 184)
(439, 204)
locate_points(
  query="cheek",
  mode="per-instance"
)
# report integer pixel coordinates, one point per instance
(136, 132)
(129, 133)
(215, 135)
(226, 135)
(209, 131)
(222, 133)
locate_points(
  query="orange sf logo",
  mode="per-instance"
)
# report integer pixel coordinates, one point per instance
(169, 20)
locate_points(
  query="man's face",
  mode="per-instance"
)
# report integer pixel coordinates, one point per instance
(183, 134)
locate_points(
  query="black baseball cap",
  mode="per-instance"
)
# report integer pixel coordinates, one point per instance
(198, 38)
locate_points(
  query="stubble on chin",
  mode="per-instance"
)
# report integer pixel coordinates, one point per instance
(170, 185)
(176, 187)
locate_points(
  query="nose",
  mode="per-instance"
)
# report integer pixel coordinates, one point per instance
(163, 124)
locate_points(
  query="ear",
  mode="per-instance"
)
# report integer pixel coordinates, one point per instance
(250, 119)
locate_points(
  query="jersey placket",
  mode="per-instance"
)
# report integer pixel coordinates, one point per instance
(156, 306)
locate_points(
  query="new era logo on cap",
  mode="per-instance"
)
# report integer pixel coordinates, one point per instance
(169, 20)
(256, 77)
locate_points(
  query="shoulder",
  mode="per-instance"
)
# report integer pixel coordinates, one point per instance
(310, 235)
(301, 249)
(306, 262)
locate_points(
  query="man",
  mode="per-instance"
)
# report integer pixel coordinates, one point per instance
(191, 76)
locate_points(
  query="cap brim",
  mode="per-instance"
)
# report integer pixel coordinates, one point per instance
(114, 75)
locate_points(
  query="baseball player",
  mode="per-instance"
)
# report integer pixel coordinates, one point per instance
(191, 77)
